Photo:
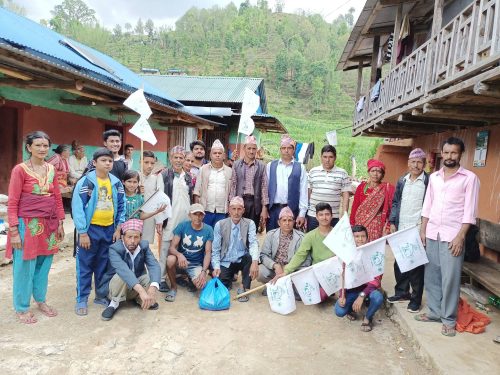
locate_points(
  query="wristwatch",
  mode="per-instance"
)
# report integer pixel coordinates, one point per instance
(362, 295)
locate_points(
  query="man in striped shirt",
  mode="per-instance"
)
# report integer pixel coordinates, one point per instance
(327, 183)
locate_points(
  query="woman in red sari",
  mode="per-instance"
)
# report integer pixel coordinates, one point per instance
(35, 214)
(373, 201)
(60, 161)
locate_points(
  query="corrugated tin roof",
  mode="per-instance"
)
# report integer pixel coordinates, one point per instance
(204, 89)
(37, 40)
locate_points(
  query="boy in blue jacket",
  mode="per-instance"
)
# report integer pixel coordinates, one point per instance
(98, 207)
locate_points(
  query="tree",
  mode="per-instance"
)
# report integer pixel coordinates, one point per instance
(139, 27)
(349, 17)
(149, 27)
(279, 6)
(117, 30)
(128, 27)
(71, 12)
(13, 7)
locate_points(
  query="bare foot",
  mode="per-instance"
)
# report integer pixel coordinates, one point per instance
(26, 317)
(47, 310)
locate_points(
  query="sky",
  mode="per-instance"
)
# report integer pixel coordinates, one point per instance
(166, 12)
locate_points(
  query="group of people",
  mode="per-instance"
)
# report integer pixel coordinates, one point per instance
(209, 225)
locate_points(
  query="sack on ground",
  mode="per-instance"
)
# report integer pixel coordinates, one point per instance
(214, 296)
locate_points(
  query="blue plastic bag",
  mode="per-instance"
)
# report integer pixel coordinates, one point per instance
(214, 296)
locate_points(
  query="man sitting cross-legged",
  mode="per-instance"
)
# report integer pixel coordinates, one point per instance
(280, 245)
(133, 272)
(352, 300)
(190, 251)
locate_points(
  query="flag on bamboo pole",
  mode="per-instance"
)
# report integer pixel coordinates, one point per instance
(142, 130)
(373, 257)
(340, 240)
(408, 249)
(249, 107)
(329, 274)
(307, 285)
(356, 273)
(138, 103)
(281, 297)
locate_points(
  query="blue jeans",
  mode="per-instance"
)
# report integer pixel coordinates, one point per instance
(376, 298)
(212, 218)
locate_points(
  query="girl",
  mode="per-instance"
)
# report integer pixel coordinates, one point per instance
(134, 199)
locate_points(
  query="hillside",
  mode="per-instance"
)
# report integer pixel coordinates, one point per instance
(296, 54)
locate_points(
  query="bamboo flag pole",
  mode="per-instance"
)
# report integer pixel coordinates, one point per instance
(250, 291)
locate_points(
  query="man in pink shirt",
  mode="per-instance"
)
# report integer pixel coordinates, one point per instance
(450, 207)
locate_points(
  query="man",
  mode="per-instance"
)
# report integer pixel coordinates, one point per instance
(450, 207)
(235, 248)
(127, 155)
(133, 272)
(190, 251)
(406, 213)
(312, 245)
(249, 181)
(77, 162)
(287, 185)
(328, 183)
(178, 186)
(198, 148)
(112, 140)
(351, 300)
(280, 245)
(212, 186)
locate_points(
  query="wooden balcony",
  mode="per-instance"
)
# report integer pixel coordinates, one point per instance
(451, 81)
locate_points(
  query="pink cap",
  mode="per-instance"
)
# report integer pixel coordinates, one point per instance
(132, 224)
(286, 141)
(250, 140)
(237, 201)
(178, 150)
(417, 153)
(286, 211)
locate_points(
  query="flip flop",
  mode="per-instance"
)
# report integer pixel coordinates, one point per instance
(244, 298)
(351, 317)
(46, 309)
(448, 331)
(497, 340)
(424, 318)
(170, 296)
(81, 308)
(366, 327)
(26, 317)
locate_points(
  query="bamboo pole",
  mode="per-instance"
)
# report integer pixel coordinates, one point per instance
(250, 291)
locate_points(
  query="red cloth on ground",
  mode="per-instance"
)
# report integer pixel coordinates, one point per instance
(469, 319)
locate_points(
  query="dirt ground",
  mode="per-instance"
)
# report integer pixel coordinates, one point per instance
(182, 339)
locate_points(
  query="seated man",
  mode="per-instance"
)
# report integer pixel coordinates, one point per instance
(235, 248)
(312, 245)
(126, 277)
(190, 251)
(353, 299)
(280, 245)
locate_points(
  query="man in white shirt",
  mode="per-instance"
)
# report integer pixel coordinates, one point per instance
(212, 186)
(287, 185)
(77, 162)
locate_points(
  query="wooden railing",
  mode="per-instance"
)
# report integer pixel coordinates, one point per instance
(469, 43)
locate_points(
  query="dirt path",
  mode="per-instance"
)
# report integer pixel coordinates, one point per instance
(182, 339)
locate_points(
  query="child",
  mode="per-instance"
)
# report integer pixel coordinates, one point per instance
(149, 184)
(98, 207)
(134, 199)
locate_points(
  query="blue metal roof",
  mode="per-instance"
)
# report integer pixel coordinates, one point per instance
(37, 40)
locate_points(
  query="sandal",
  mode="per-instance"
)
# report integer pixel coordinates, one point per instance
(26, 317)
(425, 318)
(351, 317)
(448, 331)
(497, 340)
(81, 308)
(47, 310)
(170, 296)
(367, 327)
(244, 298)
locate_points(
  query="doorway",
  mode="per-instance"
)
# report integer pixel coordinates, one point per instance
(9, 145)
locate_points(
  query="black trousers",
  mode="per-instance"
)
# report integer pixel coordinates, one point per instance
(227, 273)
(413, 278)
(250, 212)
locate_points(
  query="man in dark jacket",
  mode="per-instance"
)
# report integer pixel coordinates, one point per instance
(406, 213)
(133, 272)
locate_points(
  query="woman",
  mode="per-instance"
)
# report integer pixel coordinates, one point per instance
(373, 201)
(77, 162)
(36, 215)
(60, 160)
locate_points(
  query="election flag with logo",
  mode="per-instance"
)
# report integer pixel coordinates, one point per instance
(281, 297)
(249, 107)
(356, 273)
(307, 285)
(329, 274)
(373, 257)
(138, 103)
(340, 240)
(143, 131)
(408, 249)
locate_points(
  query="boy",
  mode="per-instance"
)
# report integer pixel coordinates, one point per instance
(98, 207)
(149, 184)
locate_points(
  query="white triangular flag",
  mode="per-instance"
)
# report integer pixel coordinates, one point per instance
(281, 297)
(329, 274)
(138, 103)
(373, 256)
(251, 102)
(247, 126)
(355, 272)
(307, 285)
(340, 240)
(142, 130)
(408, 249)
(331, 137)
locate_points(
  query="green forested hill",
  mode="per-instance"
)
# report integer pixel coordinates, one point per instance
(296, 54)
